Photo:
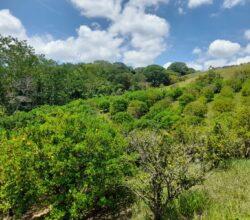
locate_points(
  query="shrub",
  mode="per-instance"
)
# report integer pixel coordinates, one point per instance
(197, 108)
(75, 161)
(227, 91)
(122, 117)
(235, 84)
(246, 88)
(119, 105)
(175, 93)
(223, 104)
(166, 119)
(137, 108)
(104, 106)
(208, 93)
(185, 99)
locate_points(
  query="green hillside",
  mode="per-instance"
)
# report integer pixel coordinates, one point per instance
(172, 152)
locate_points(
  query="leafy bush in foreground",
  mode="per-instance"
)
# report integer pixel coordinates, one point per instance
(74, 163)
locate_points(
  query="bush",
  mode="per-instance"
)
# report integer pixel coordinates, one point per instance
(119, 105)
(227, 91)
(104, 106)
(122, 117)
(223, 104)
(197, 108)
(166, 119)
(246, 88)
(137, 108)
(185, 99)
(73, 161)
(235, 84)
(208, 93)
(175, 93)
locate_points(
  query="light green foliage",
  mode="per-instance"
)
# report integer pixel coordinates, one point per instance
(197, 108)
(227, 91)
(137, 108)
(223, 104)
(66, 158)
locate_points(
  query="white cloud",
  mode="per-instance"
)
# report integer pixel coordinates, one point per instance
(215, 63)
(134, 36)
(223, 48)
(247, 34)
(197, 51)
(181, 11)
(10, 25)
(166, 65)
(232, 3)
(197, 3)
(147, 33)
(89, 45)
(194, 65)
(247, 49)
(99, 8)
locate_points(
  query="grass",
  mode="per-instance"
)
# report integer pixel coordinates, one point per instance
(225, 195)
(229, 191)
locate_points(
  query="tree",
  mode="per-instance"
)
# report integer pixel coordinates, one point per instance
(156, 75)
(166, 169)
(180, 68)
(18, 64)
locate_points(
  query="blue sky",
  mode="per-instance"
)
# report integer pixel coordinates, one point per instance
(202, 33)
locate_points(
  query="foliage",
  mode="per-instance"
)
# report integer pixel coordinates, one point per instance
(246, 88)
(180, 68)
(137, 108)
(75, 160)
(119, 105)
(156, 75)
(166, 169)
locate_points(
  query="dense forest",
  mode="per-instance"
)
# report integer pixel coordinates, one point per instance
(107, 141)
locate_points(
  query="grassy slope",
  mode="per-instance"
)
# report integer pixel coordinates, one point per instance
(229, 191)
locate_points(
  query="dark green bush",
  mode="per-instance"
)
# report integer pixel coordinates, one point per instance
(122, 117)
(246, 88)
(175, 93)
(185, 99)
(104, 106)
(208, 93)
(118, 105)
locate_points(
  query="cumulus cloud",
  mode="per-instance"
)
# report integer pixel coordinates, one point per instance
(166, 65)
(89, 45)
(134, 36)
(10, 25)
(221, 53)
(101, 8)
(247, 34)
(232, 3)
(223, 48)
(147, 33)
(197, 3)
(197, 51)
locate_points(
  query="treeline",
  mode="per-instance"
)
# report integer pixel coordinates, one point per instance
(28, 80)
